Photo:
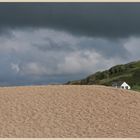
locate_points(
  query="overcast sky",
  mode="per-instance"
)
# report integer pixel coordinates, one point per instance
(42, 43)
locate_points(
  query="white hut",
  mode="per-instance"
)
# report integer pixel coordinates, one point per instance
(124, 85)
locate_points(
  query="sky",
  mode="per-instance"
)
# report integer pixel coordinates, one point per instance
(45, 43)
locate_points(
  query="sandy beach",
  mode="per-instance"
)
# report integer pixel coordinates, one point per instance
(69, 111)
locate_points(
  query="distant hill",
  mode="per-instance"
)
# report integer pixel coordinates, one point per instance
(126, 72)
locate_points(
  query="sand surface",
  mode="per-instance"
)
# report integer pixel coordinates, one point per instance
(69, 111)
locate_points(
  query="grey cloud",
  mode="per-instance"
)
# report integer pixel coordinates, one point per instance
(108, 48)
(133, 45)
(110, 20)
(22, 62)
(68, 43)
(44, 43)
(50, 45)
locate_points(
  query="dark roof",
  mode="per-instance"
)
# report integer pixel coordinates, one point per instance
(118, 83)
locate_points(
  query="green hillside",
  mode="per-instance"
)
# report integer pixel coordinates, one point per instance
(129, 73)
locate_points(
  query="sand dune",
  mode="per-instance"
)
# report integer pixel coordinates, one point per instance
(69, 111)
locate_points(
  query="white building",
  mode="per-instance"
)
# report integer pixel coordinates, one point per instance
(122, 85)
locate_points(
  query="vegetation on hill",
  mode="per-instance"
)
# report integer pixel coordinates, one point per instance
(129, 73)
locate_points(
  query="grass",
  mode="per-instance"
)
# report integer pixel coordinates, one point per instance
(129, 73)
(136, 88)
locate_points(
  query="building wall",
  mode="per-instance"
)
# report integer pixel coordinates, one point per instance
(125, 86)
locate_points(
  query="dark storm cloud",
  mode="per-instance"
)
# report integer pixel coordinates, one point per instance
(58, 42)
(28, 58)
(50, 45)
(93, 19)
(107, 48)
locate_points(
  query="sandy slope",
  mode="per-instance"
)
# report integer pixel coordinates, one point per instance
(69, 111)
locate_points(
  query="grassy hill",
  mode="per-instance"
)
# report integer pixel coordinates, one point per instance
(126, 72)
